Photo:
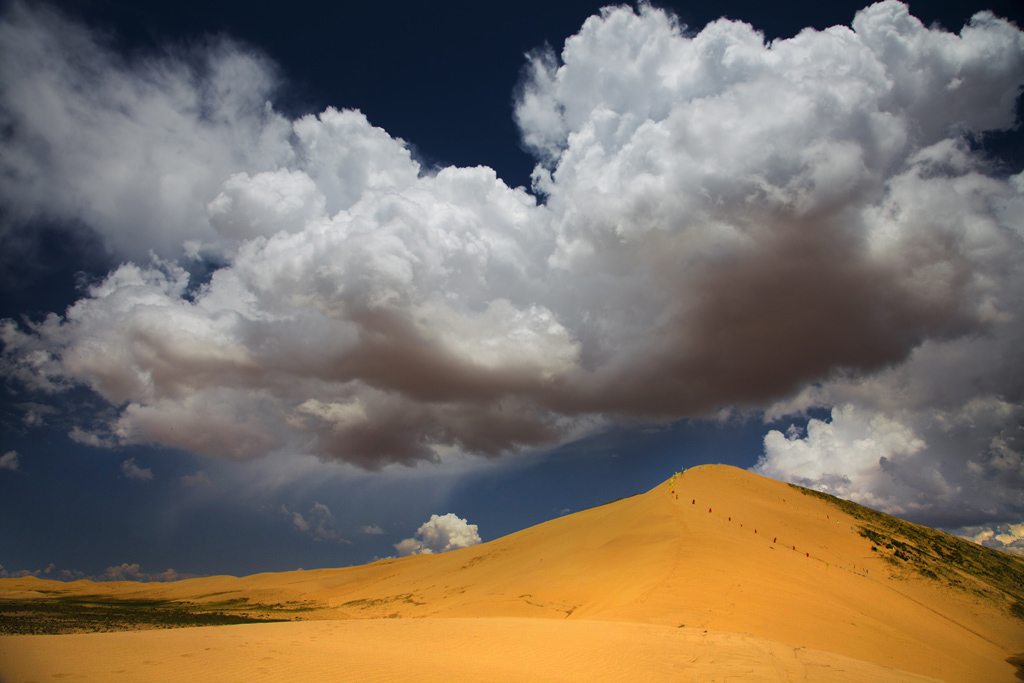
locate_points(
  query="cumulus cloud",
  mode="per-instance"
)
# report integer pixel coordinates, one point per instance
(118, 144)
(132, 471)
(939, 439)
(9, 461)
(439, 534)
(373, 530)
(799, 224)
(752, 216)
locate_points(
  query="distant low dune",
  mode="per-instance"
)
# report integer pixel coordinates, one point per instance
(716, 573)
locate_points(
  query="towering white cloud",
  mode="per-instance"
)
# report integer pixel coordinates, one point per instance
(793, 225)
(742, 218)
(440, 534)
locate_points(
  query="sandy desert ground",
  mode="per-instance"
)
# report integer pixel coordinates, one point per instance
(485, 649)
(717, 574)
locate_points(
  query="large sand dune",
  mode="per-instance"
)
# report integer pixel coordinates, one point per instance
(715, 574)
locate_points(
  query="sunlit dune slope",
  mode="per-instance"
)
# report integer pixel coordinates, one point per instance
(443, 650)
(713, 549)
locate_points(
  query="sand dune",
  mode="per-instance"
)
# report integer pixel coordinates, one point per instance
(488, 649)
(714, 574)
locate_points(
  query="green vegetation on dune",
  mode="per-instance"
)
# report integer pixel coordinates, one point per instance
(936, 555)
(84, 614)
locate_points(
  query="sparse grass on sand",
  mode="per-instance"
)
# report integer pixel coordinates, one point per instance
(961, 565)
(94, 613)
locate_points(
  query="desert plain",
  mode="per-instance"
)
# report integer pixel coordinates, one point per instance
(717, 574)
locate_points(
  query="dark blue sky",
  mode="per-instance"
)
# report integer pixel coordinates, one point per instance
(443, 78)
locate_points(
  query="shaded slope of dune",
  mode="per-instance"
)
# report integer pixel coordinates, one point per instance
(713, 549)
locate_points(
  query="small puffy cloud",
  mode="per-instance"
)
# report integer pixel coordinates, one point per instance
(82, 436)
(372, 530)
(318, 522)
(124, 572)
(36, 414)
(297, 519)
(9, 461)
(133, 572)
(50, 572)
(132, 471)
(439, 534)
